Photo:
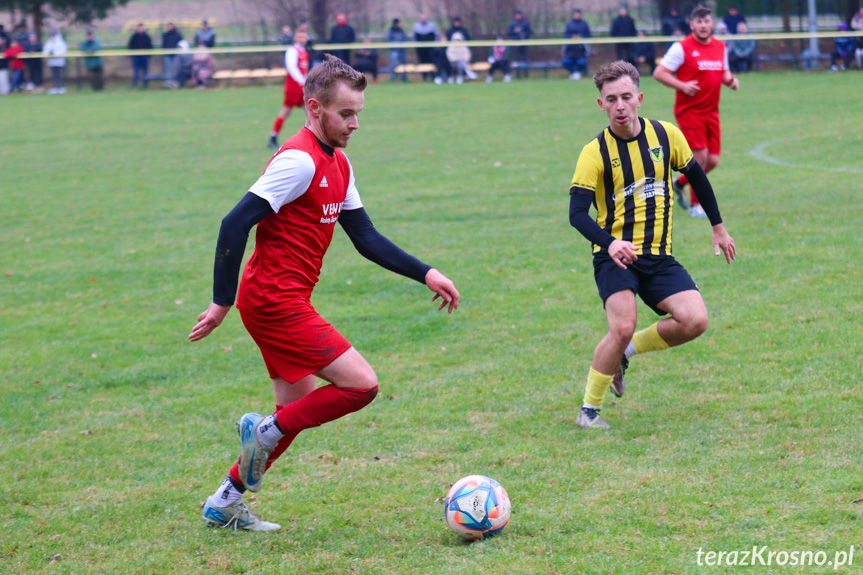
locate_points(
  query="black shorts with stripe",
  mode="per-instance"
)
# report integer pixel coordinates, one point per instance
(653, 278)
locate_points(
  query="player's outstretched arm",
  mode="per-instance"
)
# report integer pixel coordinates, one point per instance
(724, 243)
(208, 320)
(443, 288)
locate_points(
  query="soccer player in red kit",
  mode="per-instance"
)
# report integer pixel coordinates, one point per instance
(700, 64)
(297, 66)
(306, 188)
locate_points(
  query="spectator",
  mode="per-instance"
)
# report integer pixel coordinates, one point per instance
(184, 64)
(342, 33)
(857, 26)
(741, 50)
(733, 19)
(623, 27)
(674, 21)
(459, 58)
(56, 48)
(366, 60)
(519, 29)
(34, 65)
(16, 64)
(202, 66)
(4, 67)
(398, 56)
(456, 27)
(4, 36)
(441, 62)
(499, 60)
(205, 35)
(721, 29)
(425, 31)
(286, 37)
(575, 55)
(140, 40)
(844, 49)
(643, 53)
(93, 62)
(170, 40)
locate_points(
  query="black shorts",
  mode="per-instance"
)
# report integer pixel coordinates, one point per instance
(653, 278)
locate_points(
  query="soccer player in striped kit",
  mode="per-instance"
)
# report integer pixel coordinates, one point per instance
(696, 68)
(305, 189)
(625, 172)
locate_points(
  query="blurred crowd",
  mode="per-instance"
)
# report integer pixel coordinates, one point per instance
(194, 64)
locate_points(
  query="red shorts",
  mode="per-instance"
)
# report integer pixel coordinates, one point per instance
(294, 340)
(293, 97)
(701, 131)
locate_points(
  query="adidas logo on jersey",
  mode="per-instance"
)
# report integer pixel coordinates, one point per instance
(324, 183)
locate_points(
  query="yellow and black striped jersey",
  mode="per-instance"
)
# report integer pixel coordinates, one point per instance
(630, 182)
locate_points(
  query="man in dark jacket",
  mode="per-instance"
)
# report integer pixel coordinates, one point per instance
(575, 55)
(398, 56)
(519, 29)
(674, 21)
(643, 53)
(623, 27)
(170, 40)
(140, 40)
(342, 33)
(457, 27)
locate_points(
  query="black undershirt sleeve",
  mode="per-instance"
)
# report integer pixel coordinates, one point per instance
(579, 218)
(233, 236)
(703, 191)
(375, 247)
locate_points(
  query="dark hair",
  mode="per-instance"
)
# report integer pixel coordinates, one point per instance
(324, 78)
(614, 71)
(700, 11)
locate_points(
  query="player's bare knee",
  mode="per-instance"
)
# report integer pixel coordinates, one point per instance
(621, 335)
(695, 324)
(366, 379)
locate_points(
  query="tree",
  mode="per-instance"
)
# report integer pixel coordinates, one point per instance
(84, 11)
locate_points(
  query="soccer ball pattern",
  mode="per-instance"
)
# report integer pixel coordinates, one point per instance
(477, 507)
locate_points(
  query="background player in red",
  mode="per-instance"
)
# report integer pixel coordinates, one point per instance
(297, 65)
(700, 64)
(306, 188)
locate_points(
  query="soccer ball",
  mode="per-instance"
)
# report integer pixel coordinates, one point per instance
(477, 507)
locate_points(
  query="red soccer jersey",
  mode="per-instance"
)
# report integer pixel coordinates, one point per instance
(296, 64)
(692, 60)
(307, 188)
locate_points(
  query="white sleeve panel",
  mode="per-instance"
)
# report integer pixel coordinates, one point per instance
(352, 199)
(673, 59)
(725, 65)
(286, 178)
(292, 65)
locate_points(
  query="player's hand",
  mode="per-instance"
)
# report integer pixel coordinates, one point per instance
(723, 243)
(690, 88)
(208, 320)
(734, 84)
(443, 288)
(622, 253)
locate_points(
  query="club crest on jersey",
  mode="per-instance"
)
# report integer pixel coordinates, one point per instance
(696, 53)
(615, 162)
(324, 183)
(656, 154)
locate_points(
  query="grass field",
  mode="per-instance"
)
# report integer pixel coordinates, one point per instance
(115, 428)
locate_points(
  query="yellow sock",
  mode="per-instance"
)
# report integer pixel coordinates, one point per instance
(649, 340)
(597, 385)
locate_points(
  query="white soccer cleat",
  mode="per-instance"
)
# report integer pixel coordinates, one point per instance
(237, 516)
(253, 454)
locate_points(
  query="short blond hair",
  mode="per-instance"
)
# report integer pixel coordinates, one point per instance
(324, 78)
(614, 71)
